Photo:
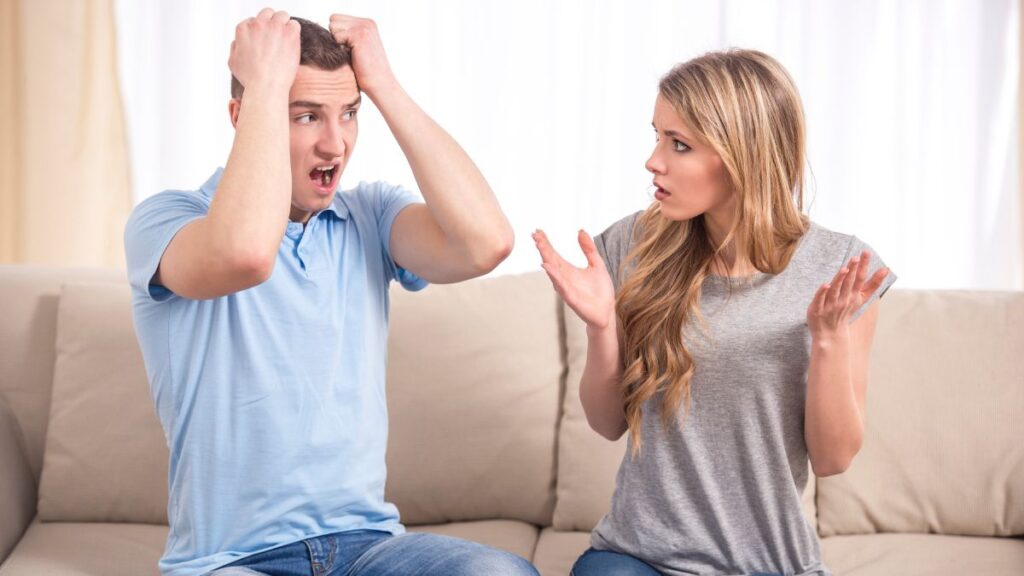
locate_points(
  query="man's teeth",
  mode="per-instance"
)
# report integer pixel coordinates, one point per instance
(326, 172)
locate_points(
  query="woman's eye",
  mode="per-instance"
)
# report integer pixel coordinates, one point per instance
(679, 146)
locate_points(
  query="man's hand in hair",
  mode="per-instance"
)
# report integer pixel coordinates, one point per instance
(265, 52)
(369, 62)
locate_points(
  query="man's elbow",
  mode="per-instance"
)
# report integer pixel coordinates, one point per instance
(252, 267)
(496, 250)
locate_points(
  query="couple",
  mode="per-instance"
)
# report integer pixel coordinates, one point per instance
(727, 334)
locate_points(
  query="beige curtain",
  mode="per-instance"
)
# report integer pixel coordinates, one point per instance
(64, 186)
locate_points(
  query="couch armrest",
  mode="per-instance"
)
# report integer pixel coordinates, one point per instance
(17, 486)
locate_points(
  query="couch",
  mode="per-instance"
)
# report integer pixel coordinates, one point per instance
(488, 439)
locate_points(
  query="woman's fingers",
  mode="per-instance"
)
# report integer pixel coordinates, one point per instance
(876, 280)
(863, 265)
(818, 302)
(590, 250)
(547, 251)
(851, 278)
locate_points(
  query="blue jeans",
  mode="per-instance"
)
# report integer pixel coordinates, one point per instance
(374, 553)
(607, 563)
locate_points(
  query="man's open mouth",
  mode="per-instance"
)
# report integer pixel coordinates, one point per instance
(323, 175)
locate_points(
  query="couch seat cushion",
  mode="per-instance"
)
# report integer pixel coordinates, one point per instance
(95, 549)
(81, 549)
(557, 551)
(923, 555)
(511, 535)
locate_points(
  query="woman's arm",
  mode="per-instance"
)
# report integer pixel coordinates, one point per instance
(601, 383)
(838, 371)
(590, 294)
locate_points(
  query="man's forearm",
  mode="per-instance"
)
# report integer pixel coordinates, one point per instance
(250, 210)
(456, 193)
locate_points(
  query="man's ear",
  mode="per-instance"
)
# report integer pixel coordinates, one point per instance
(234, 107)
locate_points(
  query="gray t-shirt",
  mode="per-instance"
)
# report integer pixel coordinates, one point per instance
(721, 494)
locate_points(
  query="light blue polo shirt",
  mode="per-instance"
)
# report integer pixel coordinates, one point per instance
(272, 398)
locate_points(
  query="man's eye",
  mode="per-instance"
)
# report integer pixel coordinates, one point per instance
(349, 114)
(304, 119)
(679, 146)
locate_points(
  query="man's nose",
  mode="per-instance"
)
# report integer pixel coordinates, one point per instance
(332, 142)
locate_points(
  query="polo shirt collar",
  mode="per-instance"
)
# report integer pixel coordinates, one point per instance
(336, 207)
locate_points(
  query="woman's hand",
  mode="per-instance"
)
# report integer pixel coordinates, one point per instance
(588, 291)
(834, 303)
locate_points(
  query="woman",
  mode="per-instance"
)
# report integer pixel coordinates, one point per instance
(727, 333)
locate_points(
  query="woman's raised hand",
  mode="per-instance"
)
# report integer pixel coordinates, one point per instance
(588, 291)
(835, 302)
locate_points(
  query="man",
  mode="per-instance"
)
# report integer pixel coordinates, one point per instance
(260, 303)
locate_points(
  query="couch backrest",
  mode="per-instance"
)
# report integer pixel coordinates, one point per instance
(28, 327)
(476, 381)
(474, 384)
(474, 388)
(944, 443)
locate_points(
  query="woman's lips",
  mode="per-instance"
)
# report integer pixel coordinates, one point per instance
(660, 194)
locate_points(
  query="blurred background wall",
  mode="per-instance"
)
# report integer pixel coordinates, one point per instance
(65, 189)
(913, 114)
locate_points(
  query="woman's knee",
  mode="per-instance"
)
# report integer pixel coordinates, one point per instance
(606, 563)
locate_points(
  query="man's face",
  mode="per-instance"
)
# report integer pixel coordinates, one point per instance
(322, 110)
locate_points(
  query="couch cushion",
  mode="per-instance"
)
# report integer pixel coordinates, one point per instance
(29, 312)
(588, 463)
(557, 551)
(923, 555)
(93, 549)
(474, 373)
(75, 549)
(106, 459)
(942, 447)
(511, 535)
(17, 487)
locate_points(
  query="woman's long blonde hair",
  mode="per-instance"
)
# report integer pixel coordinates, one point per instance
(745, 106)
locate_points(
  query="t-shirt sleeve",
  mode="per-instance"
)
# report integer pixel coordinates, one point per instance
(390, 200)
(614, 244)
(856, 247)
(150, 229)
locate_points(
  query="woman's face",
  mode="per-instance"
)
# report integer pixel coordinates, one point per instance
(690, 176)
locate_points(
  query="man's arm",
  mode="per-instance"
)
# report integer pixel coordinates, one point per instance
(235, 245)
(461, 232)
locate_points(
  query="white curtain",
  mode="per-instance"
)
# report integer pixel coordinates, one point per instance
(911, 109)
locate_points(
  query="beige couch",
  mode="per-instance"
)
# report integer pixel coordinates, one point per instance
(488, 440)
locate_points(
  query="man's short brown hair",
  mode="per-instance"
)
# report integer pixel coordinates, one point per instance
(317, 48)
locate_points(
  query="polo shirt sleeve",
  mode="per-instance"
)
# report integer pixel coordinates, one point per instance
(390, 200)
(150, 228)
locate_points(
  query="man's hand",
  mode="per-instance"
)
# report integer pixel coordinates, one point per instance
(370, 64)
(265, 52)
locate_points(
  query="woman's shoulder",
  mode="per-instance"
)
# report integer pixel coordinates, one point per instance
(615, 243)
(823, 244)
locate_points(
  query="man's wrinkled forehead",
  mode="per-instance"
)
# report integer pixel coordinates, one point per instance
(325, 87)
